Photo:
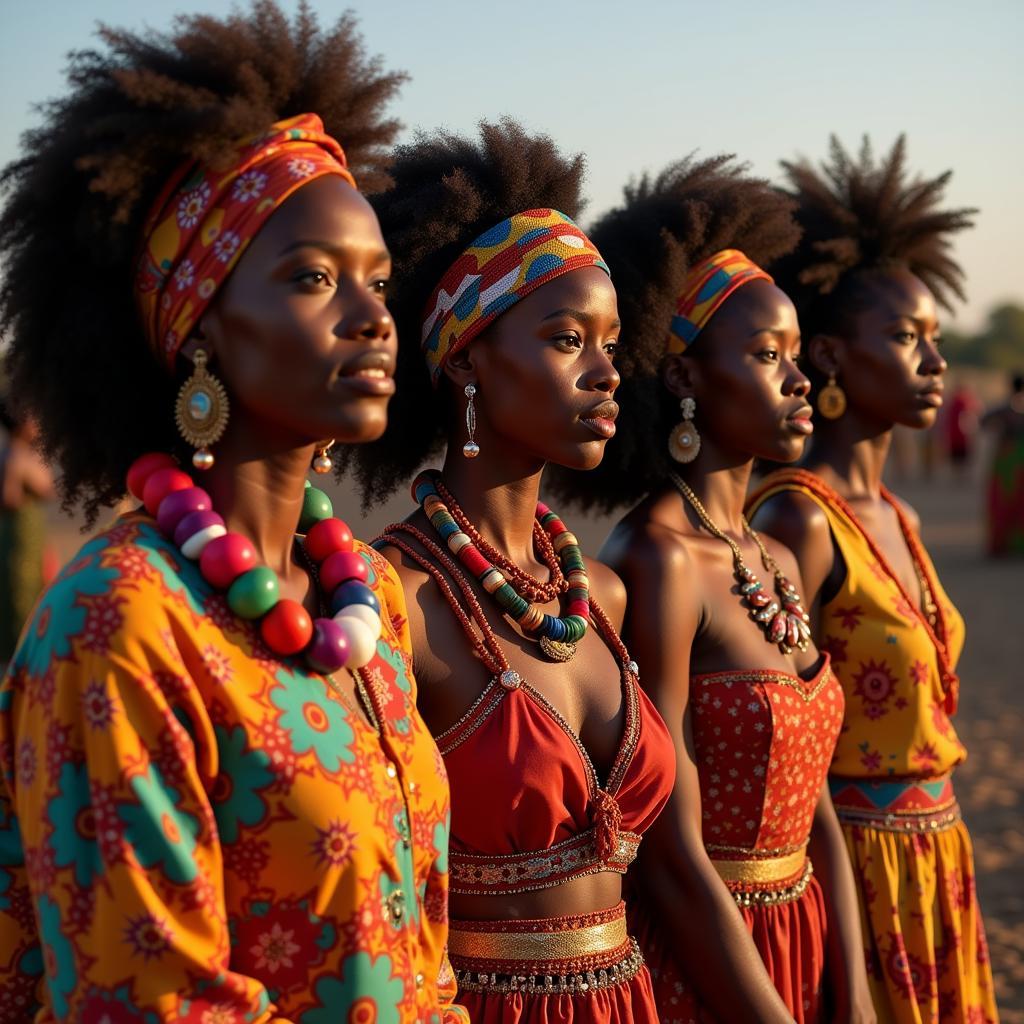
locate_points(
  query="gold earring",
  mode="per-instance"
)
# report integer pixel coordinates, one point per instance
(470, 449)
(831, 399)
(684, 440)
(201, 411)
(322, 462)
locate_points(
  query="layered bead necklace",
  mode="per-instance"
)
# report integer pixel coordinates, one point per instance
(346, 639)
(782, 618)
(515, 591)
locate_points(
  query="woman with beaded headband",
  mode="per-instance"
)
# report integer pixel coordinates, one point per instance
(873, 262)
(218, 800)
(557, 762)
(714, 614)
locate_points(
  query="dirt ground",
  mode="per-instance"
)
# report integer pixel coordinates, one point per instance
(990, 785)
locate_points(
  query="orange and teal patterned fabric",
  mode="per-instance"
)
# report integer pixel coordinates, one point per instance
(204, 219)
(503, 265)
(193, 831)
(707, 286)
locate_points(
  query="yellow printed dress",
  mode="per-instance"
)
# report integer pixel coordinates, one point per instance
(194, 831)
(891, 776)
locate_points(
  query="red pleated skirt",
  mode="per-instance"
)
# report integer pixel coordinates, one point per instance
(789, 936)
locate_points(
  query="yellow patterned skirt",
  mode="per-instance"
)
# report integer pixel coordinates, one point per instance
(914, 868)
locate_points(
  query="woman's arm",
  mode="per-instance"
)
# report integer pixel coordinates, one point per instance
(115, 852)
(846, 966)
(694, 908)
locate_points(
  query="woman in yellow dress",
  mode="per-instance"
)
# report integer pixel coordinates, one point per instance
(218, 802)
(872, 264)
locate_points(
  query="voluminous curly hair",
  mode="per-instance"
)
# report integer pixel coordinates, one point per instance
(664, 226)
(861, 216)
(447, 190)
(74, 205)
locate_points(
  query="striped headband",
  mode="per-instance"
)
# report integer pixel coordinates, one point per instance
(204, 219)
(498, 269)
(706, 287)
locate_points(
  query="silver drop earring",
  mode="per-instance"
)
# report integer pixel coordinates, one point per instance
(470, 449)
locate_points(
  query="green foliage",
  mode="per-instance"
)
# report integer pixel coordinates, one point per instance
(998, 346)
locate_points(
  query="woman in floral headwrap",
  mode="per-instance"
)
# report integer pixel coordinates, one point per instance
(218, 801)
(873, 262)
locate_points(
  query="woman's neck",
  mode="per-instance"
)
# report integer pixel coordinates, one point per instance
(499, 499)
(260, 495)
(851, 456)
(720, 484)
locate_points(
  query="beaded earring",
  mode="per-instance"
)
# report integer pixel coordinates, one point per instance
(201, 411)
(684, 441)
(470, 449)
(832, 399)
(322, 462)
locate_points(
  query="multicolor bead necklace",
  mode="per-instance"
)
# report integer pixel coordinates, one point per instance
(558, 635)
(782, 619)
(227, 561)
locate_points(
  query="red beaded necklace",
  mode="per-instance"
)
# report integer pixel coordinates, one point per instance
(227, 561)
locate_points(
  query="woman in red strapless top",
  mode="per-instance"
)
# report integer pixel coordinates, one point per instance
(557, 760)
(734, 921)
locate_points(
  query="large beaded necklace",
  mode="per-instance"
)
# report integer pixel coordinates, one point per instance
(782, 618)
(558, 635)
(346, 639)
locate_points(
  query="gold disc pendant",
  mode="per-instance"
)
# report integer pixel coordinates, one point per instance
(557, 650)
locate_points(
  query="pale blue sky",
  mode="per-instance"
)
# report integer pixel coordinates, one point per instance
(637, 83)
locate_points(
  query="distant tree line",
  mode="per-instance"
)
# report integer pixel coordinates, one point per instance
(999, 345)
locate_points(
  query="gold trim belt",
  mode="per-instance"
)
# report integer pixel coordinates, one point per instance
(530, 947)
(574, 954)
(762, 870)
(765, 881)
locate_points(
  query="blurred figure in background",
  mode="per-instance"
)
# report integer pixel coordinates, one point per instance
(1006, 479)
(25, 566)
(960, 428)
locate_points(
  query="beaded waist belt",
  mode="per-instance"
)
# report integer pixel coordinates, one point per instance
(763, 878)
(549, 955)
(510, 873)
(900, 805)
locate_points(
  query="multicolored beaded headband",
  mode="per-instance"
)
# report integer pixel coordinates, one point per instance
(707, 286)
(505, 264)
(204, 219)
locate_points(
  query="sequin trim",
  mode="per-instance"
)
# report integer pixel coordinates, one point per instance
(510, 873)
(757, 895)
(779, 678)
(572, 979)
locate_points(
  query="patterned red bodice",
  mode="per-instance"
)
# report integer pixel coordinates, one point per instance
(763, 741)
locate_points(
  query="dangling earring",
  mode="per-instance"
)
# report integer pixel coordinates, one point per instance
(832, 399)
(684, 441)
(470, 449)
(201, 411)
(322, 462)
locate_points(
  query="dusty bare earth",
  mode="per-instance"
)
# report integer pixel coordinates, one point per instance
(990, 785)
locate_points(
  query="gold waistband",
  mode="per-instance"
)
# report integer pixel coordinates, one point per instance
(762, 870)
(538, 946)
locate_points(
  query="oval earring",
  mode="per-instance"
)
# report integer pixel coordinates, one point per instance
(201, 411)
(684, 440)
(831, 399)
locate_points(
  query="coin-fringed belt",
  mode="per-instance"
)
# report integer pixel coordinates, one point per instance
(575, 954)
(899, 805)
(509, 873)
(757, 878)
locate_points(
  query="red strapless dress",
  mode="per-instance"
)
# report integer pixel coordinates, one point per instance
(528, 812)
(763, 742)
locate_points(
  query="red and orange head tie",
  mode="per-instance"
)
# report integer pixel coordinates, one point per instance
(204, 219)
(503, 265)
(707, 285)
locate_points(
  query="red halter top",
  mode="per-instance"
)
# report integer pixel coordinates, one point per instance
(529, 810)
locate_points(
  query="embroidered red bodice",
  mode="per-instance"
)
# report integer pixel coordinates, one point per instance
(764, 741)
